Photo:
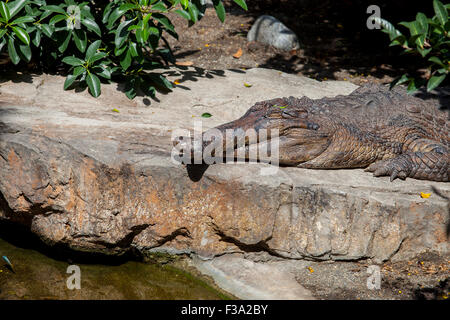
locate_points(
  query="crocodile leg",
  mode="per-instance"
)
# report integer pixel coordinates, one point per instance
(430, 162)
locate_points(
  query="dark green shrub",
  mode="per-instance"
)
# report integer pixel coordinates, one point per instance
(115, 40)
(429, 37)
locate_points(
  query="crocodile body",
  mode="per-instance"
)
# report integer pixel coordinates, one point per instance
(385, 131)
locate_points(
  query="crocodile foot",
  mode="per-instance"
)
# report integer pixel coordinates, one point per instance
(395, 168)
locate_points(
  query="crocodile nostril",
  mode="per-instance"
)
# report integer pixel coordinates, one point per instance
(313, 126)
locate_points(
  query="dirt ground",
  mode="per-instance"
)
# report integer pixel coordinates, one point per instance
(335, 42)
(424, 278)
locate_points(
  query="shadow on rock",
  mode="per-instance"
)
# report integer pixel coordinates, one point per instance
(433, 293)
(196, 171)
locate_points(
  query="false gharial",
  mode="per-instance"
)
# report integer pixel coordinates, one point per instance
(388, 132)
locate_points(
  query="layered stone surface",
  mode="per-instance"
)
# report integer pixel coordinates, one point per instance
(81, 174)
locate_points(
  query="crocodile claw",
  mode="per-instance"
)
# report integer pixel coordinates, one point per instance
(389, 167)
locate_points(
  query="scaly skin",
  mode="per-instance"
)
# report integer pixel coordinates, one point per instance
(387, 132)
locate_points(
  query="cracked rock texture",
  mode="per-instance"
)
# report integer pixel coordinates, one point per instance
(78, 174)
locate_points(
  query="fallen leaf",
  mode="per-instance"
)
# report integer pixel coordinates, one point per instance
(184, 63)
(115, 110)
(176, 82)
(207, 45)
(425, 195)
(238, 54)
(206, 115)
(247, 85)
(310, 269)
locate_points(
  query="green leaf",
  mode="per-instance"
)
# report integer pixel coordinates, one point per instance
(128, 6)
(47, 30)
(412, 87)
(107, 12)
(116, 14)
(25, 51)
(164, 21)
(92, 26)
(146, 19)
(22, 35)
(65, 43)
(73, 61)
(79, 36)
(183, 13)
(93, 83)
(45, 14)
(16, 6)
(131, 93)
(435, 81)
(423, 22)
(69, 81)
(57, 18)
(159, 7)
(220, 9)
(440, 11)
(104, 73)
(206, 115)
(24, 19)
(185, 3)
(97, 56)
(193, 12)
(437, 61)
(54, 9)
(13, 55)
(122, 33)
(133, 49)
(125, 60)
(141, 32)
(92, 49)
(3, 32)
(397, 81)
(242, 4)
(4, 11)
(119, 51)
(413, 27)
(424, 52)
(78, 70)
(2, 43)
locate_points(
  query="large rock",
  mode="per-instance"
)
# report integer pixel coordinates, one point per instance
(271, 31)
(79, 174)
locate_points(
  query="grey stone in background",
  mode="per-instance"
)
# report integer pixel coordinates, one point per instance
(270, 30)
(208, 3)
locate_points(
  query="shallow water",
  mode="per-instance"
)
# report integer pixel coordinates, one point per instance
(38, 276)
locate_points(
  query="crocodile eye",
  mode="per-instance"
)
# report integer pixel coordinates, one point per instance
(289, 114)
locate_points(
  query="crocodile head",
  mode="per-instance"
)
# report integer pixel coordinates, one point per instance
(290, 123)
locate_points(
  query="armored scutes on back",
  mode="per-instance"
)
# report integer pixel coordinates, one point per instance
(385, 131)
